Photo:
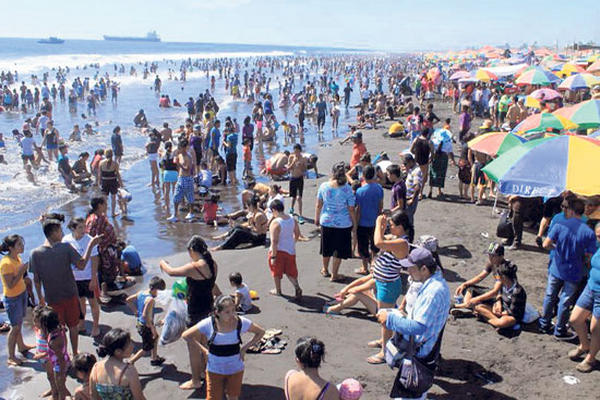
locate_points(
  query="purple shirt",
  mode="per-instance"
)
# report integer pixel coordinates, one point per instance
(464, 121)
(399, 193)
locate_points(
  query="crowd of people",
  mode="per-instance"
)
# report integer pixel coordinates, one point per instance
(401, 278)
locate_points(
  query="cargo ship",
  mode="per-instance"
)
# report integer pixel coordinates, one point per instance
(150, 37)
(51, 40)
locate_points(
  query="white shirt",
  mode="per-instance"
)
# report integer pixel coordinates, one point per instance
(27, 144)
(286, 242)
(246, 303)
(228, 365)
(81, 246)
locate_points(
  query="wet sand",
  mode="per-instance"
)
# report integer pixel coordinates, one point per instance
(478, 363)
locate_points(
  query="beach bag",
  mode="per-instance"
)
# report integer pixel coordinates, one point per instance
(531, 314)
(505, 226)
(175, 322)
(395, 350)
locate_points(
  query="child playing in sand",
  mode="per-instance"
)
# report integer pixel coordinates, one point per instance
(243, 301)
(58, 357)
(142, 304)
(83, 364)
(210, 208)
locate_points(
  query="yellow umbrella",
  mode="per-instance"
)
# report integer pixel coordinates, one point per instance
(569, 69)
(532, 102)
(484, 75)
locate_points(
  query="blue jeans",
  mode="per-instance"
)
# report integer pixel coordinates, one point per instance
(562, 292)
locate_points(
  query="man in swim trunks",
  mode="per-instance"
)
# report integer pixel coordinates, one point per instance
(297, 167)
(185, 181)
(276, 165)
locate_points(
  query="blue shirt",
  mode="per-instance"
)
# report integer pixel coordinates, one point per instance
(572, 239)
(232, 141)
(132, 257)
(336, 201)
(428, 315)
(116, 144)
(368, 198)
(594, 281)
(215, 138)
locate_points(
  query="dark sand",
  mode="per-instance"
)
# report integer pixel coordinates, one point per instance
(478, 363)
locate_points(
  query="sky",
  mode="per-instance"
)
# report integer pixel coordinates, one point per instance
(389, 25)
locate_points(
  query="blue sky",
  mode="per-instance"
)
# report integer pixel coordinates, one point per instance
(376, 24)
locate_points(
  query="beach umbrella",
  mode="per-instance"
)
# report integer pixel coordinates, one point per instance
(594, 68)
(585, 114)
(443, 137)
(460, 75)
(495, 143)
(548, 167)
(542, 122)
(579, 81)
(545, 94)
(536, 76)
(595, 134)
(569, 69)
(485, 75)
(532, 102)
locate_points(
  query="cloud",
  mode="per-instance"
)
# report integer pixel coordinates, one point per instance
(216, 4)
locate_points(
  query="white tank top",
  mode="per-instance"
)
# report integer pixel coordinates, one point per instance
(286, 235)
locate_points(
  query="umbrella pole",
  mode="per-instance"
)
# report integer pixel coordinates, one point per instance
(495, 203)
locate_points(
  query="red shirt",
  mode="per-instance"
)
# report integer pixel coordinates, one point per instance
(357, 151)
(210, 212)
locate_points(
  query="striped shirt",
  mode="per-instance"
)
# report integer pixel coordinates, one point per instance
(386, 267)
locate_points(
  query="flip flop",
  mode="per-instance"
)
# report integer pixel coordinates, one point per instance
(327, 312)
(325, 274)
(374, 360)
(271, 351)
(374, 344)
(360, 271)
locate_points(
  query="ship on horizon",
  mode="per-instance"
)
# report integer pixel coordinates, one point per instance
(51, 40)
(150, 37)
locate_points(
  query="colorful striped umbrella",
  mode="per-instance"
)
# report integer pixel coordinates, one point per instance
(548, 167)
(542, 122)
(569, 69)
(495, 143)
(545, 94)
(536, 76)
(579, 81)
(460, 75)
(585, 114)
(485, 75)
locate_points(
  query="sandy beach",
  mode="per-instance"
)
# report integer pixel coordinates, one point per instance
(477, 362)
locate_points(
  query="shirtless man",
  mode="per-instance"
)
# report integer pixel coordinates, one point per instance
(276, 165)
(166, 133)
(297, 167)
(185, 181)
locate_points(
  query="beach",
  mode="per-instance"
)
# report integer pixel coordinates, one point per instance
(477, 362)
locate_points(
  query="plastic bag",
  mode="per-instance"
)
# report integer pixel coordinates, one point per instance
(175, 322)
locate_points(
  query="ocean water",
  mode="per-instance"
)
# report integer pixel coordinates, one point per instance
(21, 202)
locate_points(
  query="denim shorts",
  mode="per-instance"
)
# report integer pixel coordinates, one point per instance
(388, 292)
(16, 307)
(586, 299)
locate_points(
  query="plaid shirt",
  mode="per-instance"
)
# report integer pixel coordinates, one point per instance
(428, 315)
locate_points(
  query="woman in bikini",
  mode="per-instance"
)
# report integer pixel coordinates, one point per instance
(307, 383)
(109, 178)
(115, 379)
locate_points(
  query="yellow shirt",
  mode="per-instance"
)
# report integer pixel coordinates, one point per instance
(396, 127)
(10, 266)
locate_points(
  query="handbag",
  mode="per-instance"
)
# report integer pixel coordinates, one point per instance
(395, 350)
(505, 226)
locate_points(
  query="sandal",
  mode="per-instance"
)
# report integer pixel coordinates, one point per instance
(374, 344)
(361, 271)
(326, 310)
(325, 274)
(376, 359)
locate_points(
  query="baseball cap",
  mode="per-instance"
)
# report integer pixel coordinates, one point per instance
(495, 249)
(357, 135)
(419, 256)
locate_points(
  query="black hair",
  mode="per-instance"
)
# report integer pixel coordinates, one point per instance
(49, 320)
(95, 202)
(197, 244)
(338, 173)
(50, 226)
(157, 283)
(394, 169)
(254, 200)
(298, 146)
(37, 312)
(576, 204)
(84, 362)
(369, 172)
(366, 157)
(235, 278)
(115, 339)
(508, 269)
(8, 242)
(247, 120)
(117, 128)
(183, 143)
(220, 303)
(75, 222)
(400, 218)
(276, 205)
(84, 154)
(310, 352)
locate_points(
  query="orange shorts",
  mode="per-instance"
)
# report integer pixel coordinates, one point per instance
(217, 385)
(285, 263)
(68, 310)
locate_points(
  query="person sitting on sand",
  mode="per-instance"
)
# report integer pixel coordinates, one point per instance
(275, 166)
(359, 290)
(509, 305)
(253, 232)
(466, 299)
(307, 383)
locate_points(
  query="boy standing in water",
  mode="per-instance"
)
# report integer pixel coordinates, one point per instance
(297, 168)
(142, 304)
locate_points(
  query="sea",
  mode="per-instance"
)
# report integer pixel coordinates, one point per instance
(21, 202)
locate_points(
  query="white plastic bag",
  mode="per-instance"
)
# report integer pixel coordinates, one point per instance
(531, 314)
(175, 322)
